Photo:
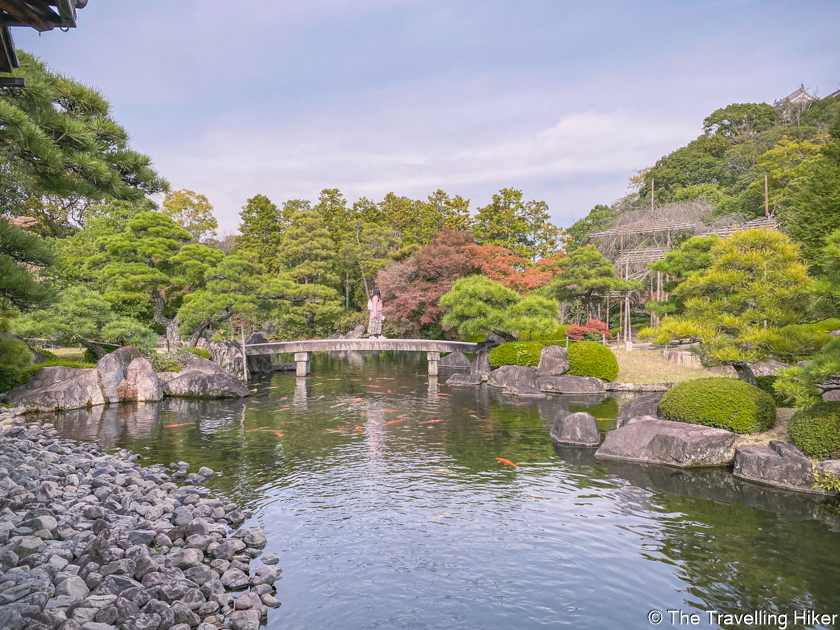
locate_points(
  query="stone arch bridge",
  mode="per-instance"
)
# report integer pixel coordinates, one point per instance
(303, 349)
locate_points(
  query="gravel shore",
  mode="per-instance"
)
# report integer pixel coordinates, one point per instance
(92, 541)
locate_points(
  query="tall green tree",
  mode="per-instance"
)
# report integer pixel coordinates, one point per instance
(587, 276)
(599, 218)
(261, 231)
(522, 227)
(337, 217)
(741, 119)
(307, 251)
(815, 200)
(192, 212)
(62, 151)
(20, 254)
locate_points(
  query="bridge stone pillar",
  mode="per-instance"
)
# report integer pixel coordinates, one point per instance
(433, 358)
(302, 360)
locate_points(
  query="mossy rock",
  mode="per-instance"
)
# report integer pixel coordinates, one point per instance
(525, 353)
(587, 358)
(816, 431)
(723, 403)
(15, 377)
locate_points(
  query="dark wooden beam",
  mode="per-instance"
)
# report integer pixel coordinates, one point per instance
(8, 58)
(67, 12)
(35, 13)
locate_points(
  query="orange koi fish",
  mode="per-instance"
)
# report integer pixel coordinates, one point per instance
(284, 398)
(390, 392)
(183, 424)
(292, 421)
(390, 410)
(278, 434)
(520, 404)
(253, 390)
(229, 410)
(358, 428)
(507, 461)
(395, 421)
(358, 400)
(430, 421)
(355, 379)
(442, 394)
(468, 411)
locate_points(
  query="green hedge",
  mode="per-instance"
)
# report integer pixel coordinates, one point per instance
(825, 326)
(587, 358)
(765, 383)
(724, 403)
(517, 353)
(816, 431)
(11, 377)
(199, 352)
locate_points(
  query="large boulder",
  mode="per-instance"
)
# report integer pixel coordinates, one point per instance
(653, 441)
(141, 383)
(515, 379)
(357, 333)
(780, 465)
(767, 368)
(554, 361)
(454, 360)
(204, 366)
(647, 405)
(228, 355)
(259, 364)
(464, 379)
(480, 365)
(570, 385)
(126, 355)
(199, 384)
(577, 429)
(82, 389)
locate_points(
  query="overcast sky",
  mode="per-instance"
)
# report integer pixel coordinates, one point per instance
(562, 100)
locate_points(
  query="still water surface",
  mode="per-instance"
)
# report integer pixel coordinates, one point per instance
(388, 508)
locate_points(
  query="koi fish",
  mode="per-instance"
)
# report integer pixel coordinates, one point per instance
(292, 421)
(536, 496)
(507, 461)
(389, 391)
(430, 421)
(253, 390)
(229, 410)
(358, 428)
(278, 434)
(355, 379)
(520, 404)
(532, 456)
(336, 430)
(395, 421)
(442, 394)
(183, 424)
(284, 398)
(469, 411)
(358, 400)
(390, 410)
(373, 385)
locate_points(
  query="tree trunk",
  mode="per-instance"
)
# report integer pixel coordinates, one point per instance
(172, 325)
(94, 347)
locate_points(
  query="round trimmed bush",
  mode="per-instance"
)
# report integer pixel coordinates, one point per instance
(816, 431)
(518, 353)
(765, 383)
(723, 403)
(587, 358)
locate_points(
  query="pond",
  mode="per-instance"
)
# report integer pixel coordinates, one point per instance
(384, 498)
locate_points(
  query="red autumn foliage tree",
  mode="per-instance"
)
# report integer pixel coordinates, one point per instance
(594, 327)
(411, 289)
(513, 271)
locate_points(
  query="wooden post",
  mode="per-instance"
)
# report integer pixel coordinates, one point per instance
(766, 199)
(244, 356)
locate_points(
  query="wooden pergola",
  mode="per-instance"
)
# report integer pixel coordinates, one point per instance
(42, 15)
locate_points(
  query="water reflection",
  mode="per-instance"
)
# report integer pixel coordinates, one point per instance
(385, 499)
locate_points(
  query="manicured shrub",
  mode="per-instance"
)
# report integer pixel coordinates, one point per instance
(587, 358)
(816, 431)
(518, 353)
(765, 383)
(723, 403)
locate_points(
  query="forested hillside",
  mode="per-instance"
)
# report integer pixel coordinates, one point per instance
(726, 168)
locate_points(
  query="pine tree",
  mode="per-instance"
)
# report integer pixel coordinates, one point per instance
(307, 251)
(20, 252)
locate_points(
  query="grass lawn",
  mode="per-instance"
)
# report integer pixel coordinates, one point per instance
(648, 366)
(69, 354)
